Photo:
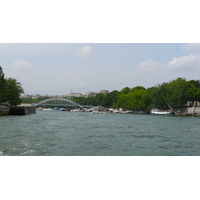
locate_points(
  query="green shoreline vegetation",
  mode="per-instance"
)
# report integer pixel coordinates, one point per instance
(174, 94)
(10, 91)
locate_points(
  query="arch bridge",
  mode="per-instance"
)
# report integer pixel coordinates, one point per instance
(58, 102)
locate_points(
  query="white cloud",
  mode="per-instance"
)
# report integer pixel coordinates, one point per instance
(85, 51)
(185, 63)
(21, 64)
(148, 65)
(191, 47)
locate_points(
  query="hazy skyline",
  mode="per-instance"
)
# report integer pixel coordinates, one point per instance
(58, 68)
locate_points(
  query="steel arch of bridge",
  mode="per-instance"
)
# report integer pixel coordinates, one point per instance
(58, 102)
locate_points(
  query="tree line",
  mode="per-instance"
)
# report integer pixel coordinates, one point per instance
(174, 94)
(10, 90)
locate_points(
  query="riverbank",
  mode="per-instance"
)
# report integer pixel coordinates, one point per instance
(17, 110)
(188, 111)
(24, 110)
(4, 110)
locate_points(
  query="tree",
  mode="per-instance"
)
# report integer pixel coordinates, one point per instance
(138, 100)
(137, 88)
(2, 85)
(13, 92)
(159, 96)
(193, 93)
(125, 90)
(121, 101)
(111, 99)
(178, 97)
(99, 99)
(196, 83)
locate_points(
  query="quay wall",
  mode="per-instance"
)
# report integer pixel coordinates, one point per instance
(21, 110)
(189, 111)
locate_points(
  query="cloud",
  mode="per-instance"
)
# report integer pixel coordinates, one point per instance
(185, 63)
(191, 47)
(148, 66)
(85, 51)
(21, 65)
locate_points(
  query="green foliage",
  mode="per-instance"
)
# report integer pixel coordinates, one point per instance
(196, 83)
(174, 94)
(30, 100)
(111, 99)
(13, 92)
(138, 100)
(178, 93)
(2, 86)
(159, 96)
(10, 90)
(125, 90)
(137, 88)
(121, 101)
(193, 93)
(106, 100)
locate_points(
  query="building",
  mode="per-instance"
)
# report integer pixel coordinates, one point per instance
(74, 94)
(27, 96)
(104, 91)
(36, 96)
(91, 94)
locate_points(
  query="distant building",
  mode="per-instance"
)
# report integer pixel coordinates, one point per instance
(104, 91)
(91, 94)
(36, 96)
(27, 96)
(74, 94)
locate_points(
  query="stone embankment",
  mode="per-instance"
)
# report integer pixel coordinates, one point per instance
(21, 110)
(18, 110)
(189, 111)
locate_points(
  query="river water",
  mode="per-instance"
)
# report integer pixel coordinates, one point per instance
(57, 133)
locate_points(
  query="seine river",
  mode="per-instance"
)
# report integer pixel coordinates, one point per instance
(57, 133)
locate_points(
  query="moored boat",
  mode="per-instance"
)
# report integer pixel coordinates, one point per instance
(162, 113)
(4, 110)
(61, 109)
(115, 111)
(127, 112)
(97, 110)
(47, 109)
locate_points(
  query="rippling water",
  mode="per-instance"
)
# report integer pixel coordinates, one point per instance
(56, 133)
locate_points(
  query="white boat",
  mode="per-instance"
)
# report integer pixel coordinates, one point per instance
(47, 109)
(88, 110)
(75, 110)
(162, 113)
(115, 111)
(97, 110)
(127, 112)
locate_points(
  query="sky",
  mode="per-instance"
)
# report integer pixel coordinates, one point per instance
(59, 68)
